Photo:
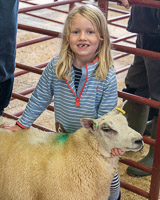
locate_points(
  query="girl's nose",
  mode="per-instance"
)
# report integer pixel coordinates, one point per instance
(82, 36)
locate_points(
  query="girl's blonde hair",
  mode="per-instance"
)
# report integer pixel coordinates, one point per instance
(97, 18)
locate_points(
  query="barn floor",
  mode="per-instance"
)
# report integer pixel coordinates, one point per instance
(42, 52)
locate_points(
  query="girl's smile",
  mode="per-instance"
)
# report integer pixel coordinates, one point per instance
(83, 40)
(83, 46)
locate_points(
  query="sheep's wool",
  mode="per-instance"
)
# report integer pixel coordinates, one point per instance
(41, 165)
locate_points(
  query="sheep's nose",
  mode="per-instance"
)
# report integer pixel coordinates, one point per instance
(140, 141)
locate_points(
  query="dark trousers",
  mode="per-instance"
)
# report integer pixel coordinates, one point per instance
(5, 93)
(143, 77)
(8, 32)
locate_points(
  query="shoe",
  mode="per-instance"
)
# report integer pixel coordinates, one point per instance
(147, 160)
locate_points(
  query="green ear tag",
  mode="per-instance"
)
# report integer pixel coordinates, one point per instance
(95, 123)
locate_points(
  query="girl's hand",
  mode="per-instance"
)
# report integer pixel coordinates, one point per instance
(11, 127)
(124, 3)
(116, 152)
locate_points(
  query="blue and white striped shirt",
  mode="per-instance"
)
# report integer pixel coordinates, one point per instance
(97, 99)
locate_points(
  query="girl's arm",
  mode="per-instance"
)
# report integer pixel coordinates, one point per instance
(39, 101)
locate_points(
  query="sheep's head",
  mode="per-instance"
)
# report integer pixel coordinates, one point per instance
(112, 131)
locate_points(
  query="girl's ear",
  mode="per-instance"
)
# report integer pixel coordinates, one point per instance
(90, 124)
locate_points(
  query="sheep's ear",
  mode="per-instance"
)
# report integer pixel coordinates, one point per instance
(90, 124)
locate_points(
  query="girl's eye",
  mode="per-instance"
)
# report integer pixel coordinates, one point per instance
(75, 32)
(91, 32)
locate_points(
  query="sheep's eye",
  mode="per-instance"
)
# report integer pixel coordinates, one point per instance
(106, 129)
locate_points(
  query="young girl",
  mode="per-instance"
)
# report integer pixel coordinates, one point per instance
(81, 79)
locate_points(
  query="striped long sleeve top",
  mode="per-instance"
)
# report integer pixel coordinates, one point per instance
(95, 97)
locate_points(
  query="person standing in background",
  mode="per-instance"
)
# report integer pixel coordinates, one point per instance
(143, 77)
(8, 32)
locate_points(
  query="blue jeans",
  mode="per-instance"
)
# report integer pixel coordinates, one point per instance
(8, 32)
(5, 93)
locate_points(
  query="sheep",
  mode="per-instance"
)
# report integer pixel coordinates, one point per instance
(37, 165)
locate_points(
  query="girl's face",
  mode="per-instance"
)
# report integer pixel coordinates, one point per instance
(83, 40)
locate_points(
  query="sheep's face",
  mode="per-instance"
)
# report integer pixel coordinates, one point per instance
(112, 131)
